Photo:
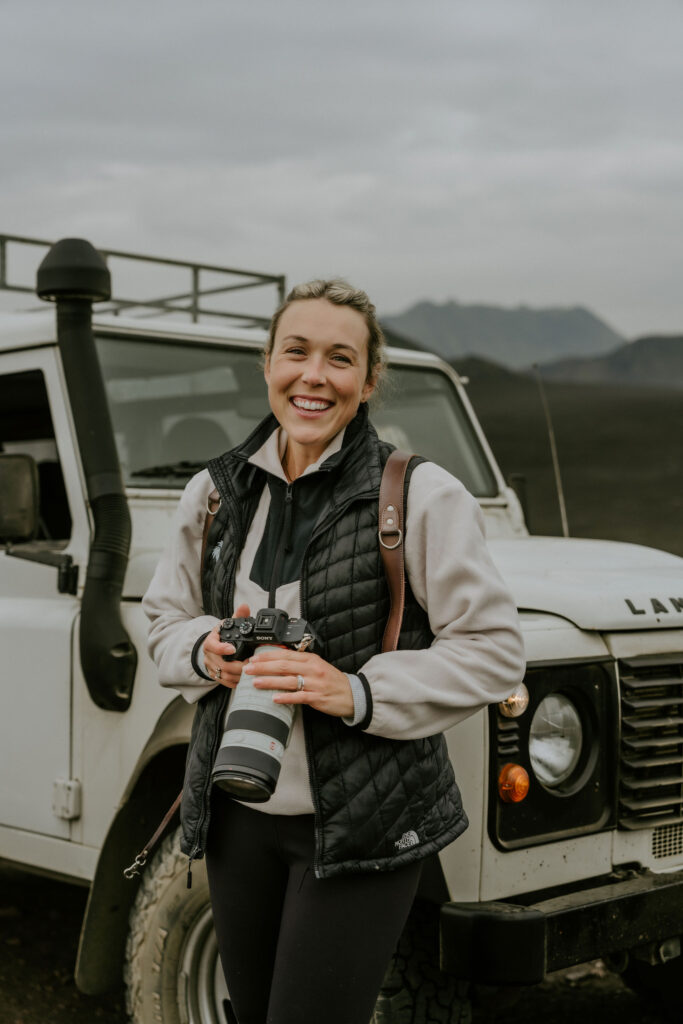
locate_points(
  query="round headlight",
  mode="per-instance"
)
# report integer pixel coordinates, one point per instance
(555, 740)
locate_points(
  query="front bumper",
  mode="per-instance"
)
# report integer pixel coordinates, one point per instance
(501, 943)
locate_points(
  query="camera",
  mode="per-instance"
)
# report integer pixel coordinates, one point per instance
(271, 626)
(256, 729)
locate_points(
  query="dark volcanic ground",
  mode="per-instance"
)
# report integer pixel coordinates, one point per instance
(39, 926)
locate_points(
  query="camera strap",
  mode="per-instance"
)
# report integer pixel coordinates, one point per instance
(391, 534)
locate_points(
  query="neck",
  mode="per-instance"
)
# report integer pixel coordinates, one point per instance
(294, 461)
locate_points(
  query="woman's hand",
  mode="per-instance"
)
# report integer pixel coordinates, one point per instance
(227, 673)
(325, 687)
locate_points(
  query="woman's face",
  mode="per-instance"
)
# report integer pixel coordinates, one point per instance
(316, 373)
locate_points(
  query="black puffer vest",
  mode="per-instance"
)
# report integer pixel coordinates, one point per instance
(379, 803)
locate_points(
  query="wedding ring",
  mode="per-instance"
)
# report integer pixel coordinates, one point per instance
(299, 682)
(217, 674)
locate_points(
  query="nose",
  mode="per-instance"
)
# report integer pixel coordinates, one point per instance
(313, 371)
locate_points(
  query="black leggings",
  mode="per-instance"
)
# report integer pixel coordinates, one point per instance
(296, 949)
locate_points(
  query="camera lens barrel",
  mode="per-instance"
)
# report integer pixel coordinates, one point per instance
(256, 733)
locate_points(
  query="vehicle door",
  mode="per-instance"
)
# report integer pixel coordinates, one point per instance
(36, 619)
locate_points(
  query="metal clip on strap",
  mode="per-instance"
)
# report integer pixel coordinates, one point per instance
(134, 868)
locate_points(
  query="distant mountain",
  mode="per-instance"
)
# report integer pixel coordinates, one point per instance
(655, 361)
(514, 337)
(485, 371)
(400, 340)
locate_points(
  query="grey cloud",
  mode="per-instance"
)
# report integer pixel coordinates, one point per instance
(511, 152)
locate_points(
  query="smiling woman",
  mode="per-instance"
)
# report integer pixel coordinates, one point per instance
(311, 887)
(318, 373)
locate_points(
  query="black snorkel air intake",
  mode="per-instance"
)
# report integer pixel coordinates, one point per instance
(74, 275)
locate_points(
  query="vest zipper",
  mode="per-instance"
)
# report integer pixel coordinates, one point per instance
(284, 544)
(317, 827)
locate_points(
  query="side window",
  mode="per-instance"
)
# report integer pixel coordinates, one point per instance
(26, 428)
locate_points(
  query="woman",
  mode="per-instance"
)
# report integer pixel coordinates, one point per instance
(311, 890)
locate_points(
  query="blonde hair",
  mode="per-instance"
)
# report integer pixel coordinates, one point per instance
(341, 293)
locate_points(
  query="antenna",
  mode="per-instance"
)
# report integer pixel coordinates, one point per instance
(553, 452)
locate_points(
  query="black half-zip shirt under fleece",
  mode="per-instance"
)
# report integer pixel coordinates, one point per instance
(295, 510)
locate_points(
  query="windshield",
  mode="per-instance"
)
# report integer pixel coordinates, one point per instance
(175, 405)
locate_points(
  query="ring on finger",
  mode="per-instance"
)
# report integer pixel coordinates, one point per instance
(300, 682)
(217, 673)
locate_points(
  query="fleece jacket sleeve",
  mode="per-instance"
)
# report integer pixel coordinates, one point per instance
(477, 656)
(173, 602)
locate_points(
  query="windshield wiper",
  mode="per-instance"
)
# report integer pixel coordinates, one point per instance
(172, 469)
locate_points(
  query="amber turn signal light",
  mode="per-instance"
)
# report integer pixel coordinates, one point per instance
(513, 783)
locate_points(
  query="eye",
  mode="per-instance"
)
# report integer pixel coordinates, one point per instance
(341, 358)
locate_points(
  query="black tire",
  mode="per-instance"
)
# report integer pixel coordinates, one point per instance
(172, 970)
(658, 985)
(415, 989)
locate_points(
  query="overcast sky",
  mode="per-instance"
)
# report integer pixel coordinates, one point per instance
(506, 151)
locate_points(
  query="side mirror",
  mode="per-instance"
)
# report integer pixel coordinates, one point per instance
(19, 497)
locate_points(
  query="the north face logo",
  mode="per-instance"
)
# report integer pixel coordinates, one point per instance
(407, 840)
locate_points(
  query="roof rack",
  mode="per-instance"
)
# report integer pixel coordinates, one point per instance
(188, 302)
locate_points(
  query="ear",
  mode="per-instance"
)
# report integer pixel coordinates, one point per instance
(266, 368)
(368, 389)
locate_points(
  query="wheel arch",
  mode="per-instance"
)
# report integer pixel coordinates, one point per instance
(153, 785)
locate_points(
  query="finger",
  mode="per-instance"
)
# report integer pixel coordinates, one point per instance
(242, 612)
(214, 645)
(294, 697)
(294, 661)
(230, 683)
(276, 671)
(227, 675)
(277, 682)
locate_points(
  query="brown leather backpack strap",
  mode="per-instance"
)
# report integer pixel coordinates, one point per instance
(213, 503)
(391, 532)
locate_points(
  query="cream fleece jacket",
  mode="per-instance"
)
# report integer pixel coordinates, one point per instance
(476, 657)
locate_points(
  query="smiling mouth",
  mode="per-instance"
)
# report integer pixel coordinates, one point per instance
(311, 404)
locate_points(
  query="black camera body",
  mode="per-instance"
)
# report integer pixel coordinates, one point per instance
(268, 626)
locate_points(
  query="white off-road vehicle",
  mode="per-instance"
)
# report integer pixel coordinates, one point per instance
(102, 422)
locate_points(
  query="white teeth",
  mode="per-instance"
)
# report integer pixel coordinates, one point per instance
(309, 405)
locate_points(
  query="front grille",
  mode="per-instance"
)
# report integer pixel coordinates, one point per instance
(667, 841)
(508, 737)
(651, 756)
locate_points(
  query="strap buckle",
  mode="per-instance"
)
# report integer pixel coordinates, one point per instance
(134, 869)
(390, 547)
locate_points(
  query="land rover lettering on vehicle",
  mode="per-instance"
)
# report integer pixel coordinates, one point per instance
(572, 785)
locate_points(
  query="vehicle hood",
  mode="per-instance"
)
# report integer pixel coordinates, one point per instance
(596, 584)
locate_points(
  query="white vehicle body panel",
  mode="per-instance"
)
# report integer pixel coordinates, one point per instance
(35, 705)
(36, 624)
(597, 584)
(107, 744)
